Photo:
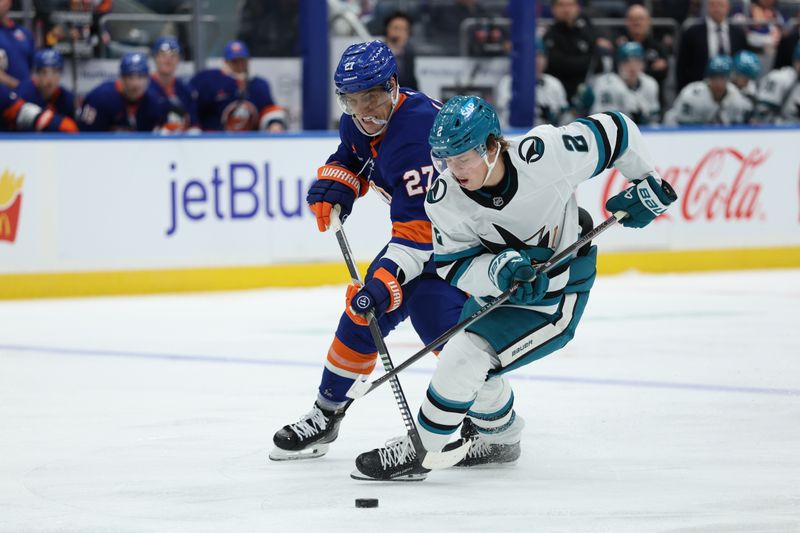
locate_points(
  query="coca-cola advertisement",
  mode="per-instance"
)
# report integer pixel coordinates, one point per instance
(735, 189)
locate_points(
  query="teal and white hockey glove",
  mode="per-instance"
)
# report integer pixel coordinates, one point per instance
(643, 201)
(509, 266)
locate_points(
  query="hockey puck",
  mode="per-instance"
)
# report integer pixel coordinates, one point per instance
(366, 502)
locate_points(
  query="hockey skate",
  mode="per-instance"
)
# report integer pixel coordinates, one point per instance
(397, 461)
(483, 452)
(307, 438)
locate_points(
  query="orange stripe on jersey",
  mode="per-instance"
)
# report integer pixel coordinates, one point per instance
(269, 109)
(374, 142)
(10, 114)
(413, 230)
(350, 360)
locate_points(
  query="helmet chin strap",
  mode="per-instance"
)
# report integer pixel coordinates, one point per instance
(379, 121)
(490, 165)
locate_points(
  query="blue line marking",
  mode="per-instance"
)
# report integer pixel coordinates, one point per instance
(633, 383)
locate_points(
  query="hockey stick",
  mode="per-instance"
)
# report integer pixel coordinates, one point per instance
(361, 386)
(429, 460)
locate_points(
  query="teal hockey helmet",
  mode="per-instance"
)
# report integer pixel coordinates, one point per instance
(464, 123)
(720, 65)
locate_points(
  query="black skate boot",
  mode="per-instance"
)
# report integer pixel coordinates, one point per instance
(483, 452)
(307, 438)
(397, 461)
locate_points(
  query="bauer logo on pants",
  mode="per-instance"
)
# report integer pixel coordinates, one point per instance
(10, 202)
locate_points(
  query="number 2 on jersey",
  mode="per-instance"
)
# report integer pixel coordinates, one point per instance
(575, 143)
(413, 179)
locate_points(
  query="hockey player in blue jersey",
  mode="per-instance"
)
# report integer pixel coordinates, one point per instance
(384, 146)
(175, 94)
(44, 87)
(229, 99)
(16, 49)
(126, 104)
(499, 207)
(18, 115)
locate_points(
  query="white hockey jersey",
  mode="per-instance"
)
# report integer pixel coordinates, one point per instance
(641, 103)
(696, 105)
(551, 100)
(779, 97)
(535, 205)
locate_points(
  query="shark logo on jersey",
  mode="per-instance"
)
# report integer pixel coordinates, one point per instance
(436, 192)
(531, 149)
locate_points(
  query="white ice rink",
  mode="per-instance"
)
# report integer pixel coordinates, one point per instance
(676, 408)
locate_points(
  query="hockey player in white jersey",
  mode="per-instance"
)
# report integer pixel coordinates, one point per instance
(746, 70)
(714, 100)
(497, 208)
(551, 97)
(629, 90)
(779, 97)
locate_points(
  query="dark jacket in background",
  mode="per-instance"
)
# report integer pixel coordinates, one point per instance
(693, 51)
(569, 52)
(784, 56)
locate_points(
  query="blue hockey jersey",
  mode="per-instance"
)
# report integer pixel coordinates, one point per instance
(17, 45)
(62, 102)
(398, 166)
(225, 103)
(106, 109)
(18, 115)
(180, 99)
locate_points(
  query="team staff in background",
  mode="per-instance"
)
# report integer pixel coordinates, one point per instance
(497, 208)
(384, 146)
(229, 99)
(44, 87)
(18, 115)
(125, 104)
(173, 93)
(16, 49)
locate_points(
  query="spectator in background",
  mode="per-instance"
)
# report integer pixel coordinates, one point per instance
(571, 42)
(16, 49)
(714, 101)
(125, 104)
(269, 27)
(786, 46)
(764, 33)
(173, 93)
(397, 29)
(446, 22)
(638, 29)
(44, 86)
(746, 71)
(628, 90)
(710, 38)
(18, 115)
(779, 95)
(229, 99)
(551, 98)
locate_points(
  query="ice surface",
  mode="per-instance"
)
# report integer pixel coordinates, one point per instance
(676, 408)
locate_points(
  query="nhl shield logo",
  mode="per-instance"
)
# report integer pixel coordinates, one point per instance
(497, 201)
(531, 149)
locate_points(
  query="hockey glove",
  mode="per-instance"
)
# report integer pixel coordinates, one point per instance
(334, 185)
(509, 266)
(381, 294)
(643, 201)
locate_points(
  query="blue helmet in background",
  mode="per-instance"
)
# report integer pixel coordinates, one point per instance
(134, 63)
(719, 66)
(363, 66)
(540, 47)
(236, 50)
(166, 44)
(630, 50)
(48, 57)
(747, 64)
(464, 123)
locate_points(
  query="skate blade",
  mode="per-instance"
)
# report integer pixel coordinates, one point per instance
(489, 466)
(278, 454)
(355, 474)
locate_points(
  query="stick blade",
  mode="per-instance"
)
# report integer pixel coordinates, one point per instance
(359, 388)
(438, 460)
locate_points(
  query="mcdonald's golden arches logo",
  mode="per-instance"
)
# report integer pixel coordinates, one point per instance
(10, 202)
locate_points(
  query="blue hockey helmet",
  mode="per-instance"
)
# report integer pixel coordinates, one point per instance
(464, 123)
(166, 44)
(47, 57)
(236, 50)
(747, 64)
(363, 66)
(719, 66)
(134, 63)
(630, 50)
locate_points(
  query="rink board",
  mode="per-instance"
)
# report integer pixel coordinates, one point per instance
(131, 213)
